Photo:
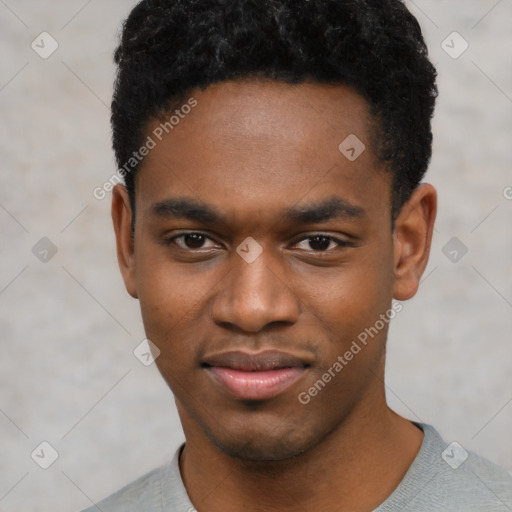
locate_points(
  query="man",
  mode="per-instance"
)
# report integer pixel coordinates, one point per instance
(272, 219)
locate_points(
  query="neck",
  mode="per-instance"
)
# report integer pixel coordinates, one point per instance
(355, 468)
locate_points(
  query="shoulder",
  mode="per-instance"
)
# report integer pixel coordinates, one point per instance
(158, 490)
(447, 477)
(141, 494)
(476, 485)
(487, 480)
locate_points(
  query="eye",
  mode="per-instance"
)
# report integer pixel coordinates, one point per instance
(191, 241)
(321, 243)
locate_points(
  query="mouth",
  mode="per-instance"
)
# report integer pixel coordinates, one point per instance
(258, 376)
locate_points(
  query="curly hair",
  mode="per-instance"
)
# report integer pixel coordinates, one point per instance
(170, 47)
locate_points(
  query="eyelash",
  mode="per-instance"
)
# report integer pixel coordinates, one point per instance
(339, 242)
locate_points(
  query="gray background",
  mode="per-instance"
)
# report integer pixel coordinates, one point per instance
(68, 373)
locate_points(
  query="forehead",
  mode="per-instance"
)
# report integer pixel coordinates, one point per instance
(258, 146)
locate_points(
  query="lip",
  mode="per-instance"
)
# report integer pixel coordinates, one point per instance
(258, 376)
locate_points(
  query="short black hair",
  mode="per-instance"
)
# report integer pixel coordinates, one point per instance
(170, 47)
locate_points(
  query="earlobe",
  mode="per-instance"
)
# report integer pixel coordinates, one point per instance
(412, 238)
(122, 218)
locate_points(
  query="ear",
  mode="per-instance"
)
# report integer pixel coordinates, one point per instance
(412, 238)
(122, 219)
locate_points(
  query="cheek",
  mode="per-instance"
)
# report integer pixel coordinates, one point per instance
(351, 297)
(168, 292)
(174, 306)
(161, 305)
(169, 312)
(166, 299)
(347, 306)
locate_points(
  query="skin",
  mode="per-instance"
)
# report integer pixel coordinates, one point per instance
(251, 150)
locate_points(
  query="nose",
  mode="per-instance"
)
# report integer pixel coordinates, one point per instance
(254, 295)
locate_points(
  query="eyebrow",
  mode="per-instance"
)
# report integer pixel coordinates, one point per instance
(185, 208)
(333, 208)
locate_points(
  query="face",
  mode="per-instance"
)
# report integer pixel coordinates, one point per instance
(261, 254)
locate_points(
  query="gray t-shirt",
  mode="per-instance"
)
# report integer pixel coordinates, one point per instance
(443, 477)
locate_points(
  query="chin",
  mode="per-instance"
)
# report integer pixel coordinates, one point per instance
(264, 445)
(260, 451)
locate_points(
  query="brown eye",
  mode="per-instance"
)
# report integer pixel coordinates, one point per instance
(191, 241)
(194, 240)
(320, 243)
